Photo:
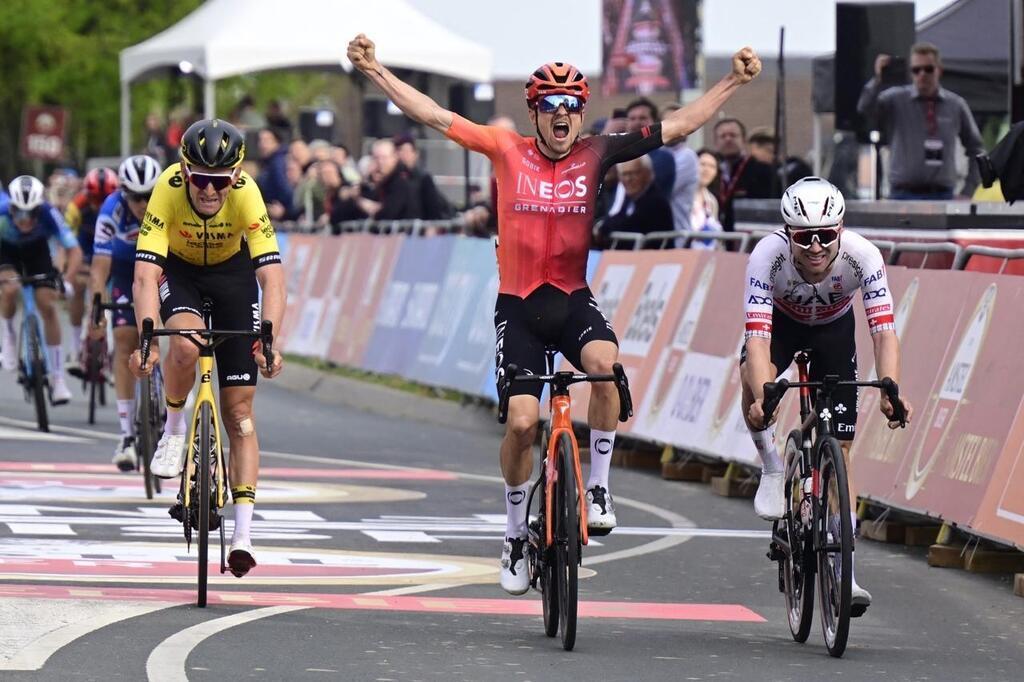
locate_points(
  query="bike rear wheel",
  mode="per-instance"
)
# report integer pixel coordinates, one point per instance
(93, 375)
(146, 441)
(567, 541)
(835, 554)
(206, 446)
(798, 566)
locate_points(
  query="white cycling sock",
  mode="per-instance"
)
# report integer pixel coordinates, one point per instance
(243, 521)
(175, 425)
(601, 445)
(56, 362)
(515, 509)
(9, 332)
(76, 341)
(764, 441)
(126, 415)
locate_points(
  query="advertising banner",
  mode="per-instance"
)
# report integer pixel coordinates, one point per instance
(324, 266)
(457, 349)
(408, 303)
(43, 132)
(359, 291)
(300, 248)
(650, 46)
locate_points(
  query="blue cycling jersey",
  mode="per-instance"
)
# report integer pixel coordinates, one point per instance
(48, 223)
(117, 229)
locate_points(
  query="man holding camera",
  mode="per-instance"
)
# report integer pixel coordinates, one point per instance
(921, 122)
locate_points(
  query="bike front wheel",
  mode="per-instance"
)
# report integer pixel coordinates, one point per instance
(798, 566)
(37, 373)
(206, 446)
(835, 553)
(146, 442)
(567, 541)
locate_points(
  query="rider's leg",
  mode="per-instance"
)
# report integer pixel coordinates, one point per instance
(179, 371)
(764, 438)
(237, 417)
(517, 460)
(46, 301)
(9, 291)
(598, 357)
(126, 341)
(76, 310)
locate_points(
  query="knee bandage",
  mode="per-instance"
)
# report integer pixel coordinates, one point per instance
(245, 427)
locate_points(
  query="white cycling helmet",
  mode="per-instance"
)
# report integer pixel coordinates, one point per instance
(139, 173)
(813, 202)
(26, 192)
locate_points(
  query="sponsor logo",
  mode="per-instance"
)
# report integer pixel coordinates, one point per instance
(603, 446)
(875, 293)
(759, 316)
(758, 284)
(176, 180)
(575, 166)
(584, 333)
(776, 266)
(205, 378)
(516, 497)
(185, 233)
(532, 166)
(876, 309)
(499, 353)
(846, 428)
(759, 300)
(255, 317)
(527, 186)
(143, 255)
(825, 415)
(858, 271)
(231, 377)
(840, 408)
(875, 277)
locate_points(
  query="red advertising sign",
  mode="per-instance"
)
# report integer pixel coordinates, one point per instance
(42, 132)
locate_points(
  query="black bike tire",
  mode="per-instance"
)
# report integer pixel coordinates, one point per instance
(157, 419)
(145, 442)
(92, 377)
(549, 574)
(567, 542)
(205, 446)
(831, 455)
(799, 607)
(38, 370)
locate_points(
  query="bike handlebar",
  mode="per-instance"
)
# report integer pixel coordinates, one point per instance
(775, 390)
(564, 380)
(265, 336)
(98, 306)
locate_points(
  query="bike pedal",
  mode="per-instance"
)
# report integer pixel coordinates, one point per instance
(177, 512)
(858, 610)
(599, 532)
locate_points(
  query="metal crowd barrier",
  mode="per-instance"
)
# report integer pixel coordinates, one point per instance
(1007, 255)
(672, 239)
(925, 248)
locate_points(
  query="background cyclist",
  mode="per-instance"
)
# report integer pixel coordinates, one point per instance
(117, 229)
(801, 283)
(25, 230)
(547, 189)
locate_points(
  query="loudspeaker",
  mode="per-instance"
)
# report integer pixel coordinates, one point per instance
(863, 31)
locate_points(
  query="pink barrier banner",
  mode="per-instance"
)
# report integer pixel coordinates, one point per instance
(301, 250)
(359, 293)
(324, 266)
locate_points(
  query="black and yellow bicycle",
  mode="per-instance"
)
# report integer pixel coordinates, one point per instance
(204, 483)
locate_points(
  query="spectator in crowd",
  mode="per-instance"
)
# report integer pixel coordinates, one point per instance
(685, 185)
(394, 197)
(340, 155)
(741, 176)
(246, 116)
(644, 210)
(922, 122)
(273, 179)
(341, 201)
(299, 150)
(762, 144)
(704, 211)
(156, 140)
(641, 113)
(433, 203)
(277, 120)
(320, 149)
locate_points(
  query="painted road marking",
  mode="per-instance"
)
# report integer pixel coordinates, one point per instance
(279, 472)
(166, 663)
(36, 436)
(383, 602)
(400, 536)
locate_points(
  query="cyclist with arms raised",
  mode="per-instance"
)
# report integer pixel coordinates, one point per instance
(206, 234)
(800, 285)
(547, 188)
(113, 248)
(25, 230)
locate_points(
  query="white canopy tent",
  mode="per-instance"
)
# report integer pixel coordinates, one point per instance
(231, 37)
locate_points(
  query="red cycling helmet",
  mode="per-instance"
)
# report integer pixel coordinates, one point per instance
(556, 78)
(100, 183)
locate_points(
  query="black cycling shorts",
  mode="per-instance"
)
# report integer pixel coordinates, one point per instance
(547, 317)
(233, 289)
(833, 350)
(29, 259)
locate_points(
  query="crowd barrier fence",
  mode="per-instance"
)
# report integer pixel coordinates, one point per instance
(422, 308)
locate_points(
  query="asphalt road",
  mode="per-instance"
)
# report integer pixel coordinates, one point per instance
(378, 542)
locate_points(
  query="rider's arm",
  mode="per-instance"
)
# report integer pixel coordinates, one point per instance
(412, 102)
(758, 306)
(64, 235)
(275, 293)
(680, 123)
(145, 290)
(99, 273)
(759, 364)
(103, 247)
(887, 354)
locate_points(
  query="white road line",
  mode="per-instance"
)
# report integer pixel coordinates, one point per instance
(166, 663)
(100, 614)
(56, 428)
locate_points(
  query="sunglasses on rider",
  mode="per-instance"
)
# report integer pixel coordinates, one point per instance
(550, 103)
(21, 216)
(136, 197)
(805, 238)
(922, 69)
(204, 180)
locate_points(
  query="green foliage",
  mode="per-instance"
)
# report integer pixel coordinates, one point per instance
(66, 52)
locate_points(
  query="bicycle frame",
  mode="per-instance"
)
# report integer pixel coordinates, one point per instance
(205, 395)
(561, 422)
(30, 315)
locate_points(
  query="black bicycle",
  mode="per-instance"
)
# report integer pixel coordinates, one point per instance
(150, 412)
(204, 484)
(33, 367)
(559, 531)
(815, 537)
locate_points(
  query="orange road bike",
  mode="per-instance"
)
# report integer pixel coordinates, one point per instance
(559, 530)
(815, 537)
